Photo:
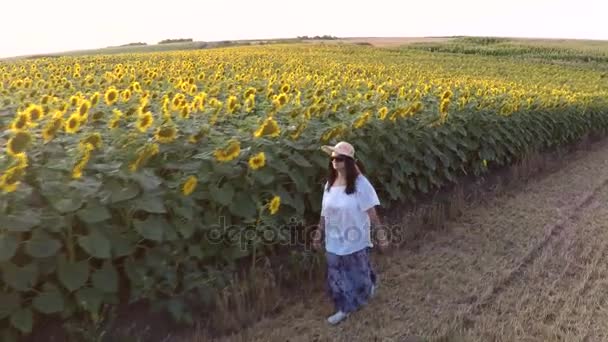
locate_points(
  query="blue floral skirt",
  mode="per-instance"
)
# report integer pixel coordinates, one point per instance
(350, 279)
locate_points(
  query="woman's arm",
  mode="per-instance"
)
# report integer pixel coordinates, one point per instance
(373, 217)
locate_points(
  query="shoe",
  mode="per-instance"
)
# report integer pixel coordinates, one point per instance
(337, 317)
(374, 289)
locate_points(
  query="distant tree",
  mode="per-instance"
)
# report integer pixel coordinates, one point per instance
(324, 37)
(135, 44)
(180, 40)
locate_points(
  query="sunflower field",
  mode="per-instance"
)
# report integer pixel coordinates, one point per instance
(117, 170)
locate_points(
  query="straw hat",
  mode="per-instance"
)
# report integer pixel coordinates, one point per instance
(342, 148)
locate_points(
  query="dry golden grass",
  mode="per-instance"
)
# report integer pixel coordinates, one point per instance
(528, 265)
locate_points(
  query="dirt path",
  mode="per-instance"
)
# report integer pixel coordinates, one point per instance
(529, 265)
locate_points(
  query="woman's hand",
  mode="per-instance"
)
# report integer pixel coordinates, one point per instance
(382, 238)
(316, 241)
(380, 231)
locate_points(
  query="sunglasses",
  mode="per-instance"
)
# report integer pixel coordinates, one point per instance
(338, 158)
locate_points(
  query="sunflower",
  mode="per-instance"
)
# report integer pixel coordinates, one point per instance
(402, 92)
(184, 113)
(19, 143)
(21, 161)
(115, 121)
(362, 120)
(51, 128)
(462, 102)
(282, 99)
(176, 102)
(382, 112)
(203, 100)
(257, 161)
(185, 87)
(332, 133)
(34, 112)
(250, 103)
(230, 151)
(21, 122)
(57, 114)
(10, 180)
(268, 128)
(416, 107)
(446, 95)
(78, 169)
(144, 106)
(443, 107)
(83, 108)
(48, 133)
(125, 95)
(165, 134)
(84, 160)
(196, 104)
(74, 100)
(111, 96)
(195, 138)
(93, 139)
(136, 87)
(274, 205)
(189, 185)
(215, 103)
(311, 111)
(337, 106)
(144, 154)
(250, 91)
(73, 123)
(64, 107)
(232, 104)
(144, 121)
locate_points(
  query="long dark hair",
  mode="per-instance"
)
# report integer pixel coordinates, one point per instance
(353, 169)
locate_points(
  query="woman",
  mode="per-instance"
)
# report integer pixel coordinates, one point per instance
(348, 209)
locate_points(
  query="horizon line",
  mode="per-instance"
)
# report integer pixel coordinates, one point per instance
(300, 37)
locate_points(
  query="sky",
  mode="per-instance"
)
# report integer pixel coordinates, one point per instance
(43, 26)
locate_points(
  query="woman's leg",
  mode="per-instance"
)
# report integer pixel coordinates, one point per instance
(350, 279)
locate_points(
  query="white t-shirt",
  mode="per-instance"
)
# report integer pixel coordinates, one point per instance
(347, 224)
